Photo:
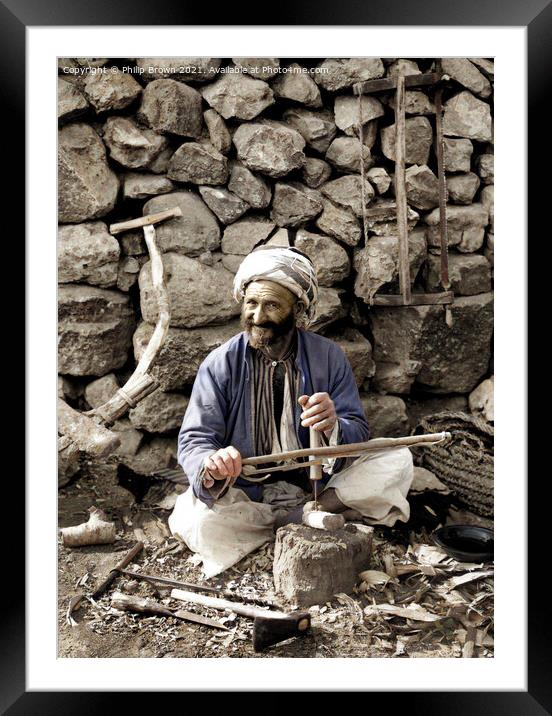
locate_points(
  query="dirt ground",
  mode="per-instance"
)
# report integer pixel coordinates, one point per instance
(451, 604)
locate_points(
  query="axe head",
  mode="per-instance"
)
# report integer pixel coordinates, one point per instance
(271, 630)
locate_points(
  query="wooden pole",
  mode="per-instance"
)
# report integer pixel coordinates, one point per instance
(400, 190)
(445, 281)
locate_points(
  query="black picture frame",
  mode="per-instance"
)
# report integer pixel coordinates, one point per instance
(536, 16)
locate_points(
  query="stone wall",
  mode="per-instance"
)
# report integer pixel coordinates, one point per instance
(266, 151)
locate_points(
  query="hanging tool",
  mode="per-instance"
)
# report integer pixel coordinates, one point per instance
(269, 626)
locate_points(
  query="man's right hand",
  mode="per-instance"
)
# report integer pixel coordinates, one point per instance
(224, 463)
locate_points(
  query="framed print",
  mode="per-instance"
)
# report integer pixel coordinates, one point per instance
(142, 133)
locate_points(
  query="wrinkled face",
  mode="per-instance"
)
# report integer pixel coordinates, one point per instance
(268, 312)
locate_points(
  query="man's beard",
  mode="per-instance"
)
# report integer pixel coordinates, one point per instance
(267, 333)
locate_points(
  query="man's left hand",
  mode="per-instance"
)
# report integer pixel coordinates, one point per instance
(318, 412)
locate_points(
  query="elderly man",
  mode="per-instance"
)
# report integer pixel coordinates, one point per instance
(259, 393)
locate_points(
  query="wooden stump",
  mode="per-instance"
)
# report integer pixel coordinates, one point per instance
(310, 565)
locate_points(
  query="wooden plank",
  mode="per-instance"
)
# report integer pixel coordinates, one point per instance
(416, 299)
(445, 281)
(400, 189)
(387, 84)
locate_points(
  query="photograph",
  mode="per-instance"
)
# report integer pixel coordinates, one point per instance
(275, 358)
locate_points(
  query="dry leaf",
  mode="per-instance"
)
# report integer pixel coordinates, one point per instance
(412, 611)
(454, 582)
(372, 577)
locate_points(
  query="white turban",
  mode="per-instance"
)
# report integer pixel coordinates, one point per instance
(289, 268)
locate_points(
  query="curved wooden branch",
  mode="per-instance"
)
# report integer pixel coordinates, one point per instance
(140, 384)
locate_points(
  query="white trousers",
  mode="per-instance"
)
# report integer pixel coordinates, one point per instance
(375, 484)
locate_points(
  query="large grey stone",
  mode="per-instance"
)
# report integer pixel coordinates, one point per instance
(242, 237)
(297, 84)
(160, 163)
(379, 178)
(486, 197)
(141, 186)
(457, 154)
(467, 116)
(465, 226)
(87, 187)
(226, 205)
(70, 100)
(194, 232)
(263, 68)
(404, 67)
(386, 415)
(330, 260)
(316, 172)
(238, 95)
(270, 147)
(381, 217)
(155, 455)
(484, 165)
(101, 390)
(159, 412)
(377, 264)
(467, 74)
(253, 189)
(218, 131)
(171, 107)
(182, 69)
(130, 144)
(358, 351)
(489, 250)
(346, 191)
(347, 113)
(87, 253)
(199, 295)
(95, 327)
(462, 188)
(468, 274)
(481, 400)
(414, 344)
(418, 139)
(485, 65)
(415, 102)
(183, 351)
(317, 128)
(336, 74)
(198, 163)
(329, 308)
(111, 90)
(340, 223)
(344, 154)
(294, 204)
(312, 566)
(130, 438)
(422, 187)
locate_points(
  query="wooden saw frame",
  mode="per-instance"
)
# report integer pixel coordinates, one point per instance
(399, 85)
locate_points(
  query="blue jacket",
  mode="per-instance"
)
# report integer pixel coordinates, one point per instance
(219, 411)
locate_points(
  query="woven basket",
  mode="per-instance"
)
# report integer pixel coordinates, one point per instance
(465, 463)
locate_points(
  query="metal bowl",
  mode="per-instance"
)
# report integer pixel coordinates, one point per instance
(466, 543)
